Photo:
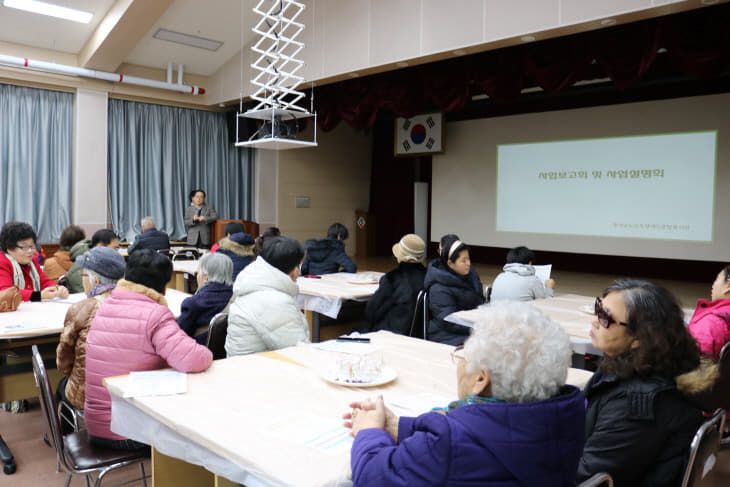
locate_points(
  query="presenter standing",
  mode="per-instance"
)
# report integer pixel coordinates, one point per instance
(198, 218)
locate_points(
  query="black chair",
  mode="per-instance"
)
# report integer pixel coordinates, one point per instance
(703, 449)
(167, 253)
(721, 391)
(419, 323)
(601, 478)
(77, 455)
(186, 254)
(217, 335)
(63, 281)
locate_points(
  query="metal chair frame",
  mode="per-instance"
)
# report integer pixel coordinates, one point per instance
(421, 311)
(704, 446)
(601, 478)
(124, 458)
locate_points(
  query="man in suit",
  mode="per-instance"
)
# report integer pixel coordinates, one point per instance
(150, 238)
(198, 218)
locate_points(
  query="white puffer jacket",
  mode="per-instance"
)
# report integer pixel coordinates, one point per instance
(264, 315)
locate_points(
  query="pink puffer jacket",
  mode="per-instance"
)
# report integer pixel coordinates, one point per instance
(710, 325)
(133, 330)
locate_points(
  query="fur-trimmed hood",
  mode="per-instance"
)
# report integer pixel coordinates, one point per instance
(124, 285)
(235, 248)
(700, 380)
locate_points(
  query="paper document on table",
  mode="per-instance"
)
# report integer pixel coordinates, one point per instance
(416, 404)
(326, 435)
(71, 299)
(22, 326)
(543, 272)
(156, 383)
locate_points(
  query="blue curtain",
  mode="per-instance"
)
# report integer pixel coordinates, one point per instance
(35, 158)
(157, 154)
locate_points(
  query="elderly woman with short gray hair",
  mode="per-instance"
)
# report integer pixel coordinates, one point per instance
(515, 421)
(215, 288)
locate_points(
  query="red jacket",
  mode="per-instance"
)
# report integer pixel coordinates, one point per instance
(6, 276)
(710, 325)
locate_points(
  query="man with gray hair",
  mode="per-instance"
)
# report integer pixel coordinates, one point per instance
(150, 238)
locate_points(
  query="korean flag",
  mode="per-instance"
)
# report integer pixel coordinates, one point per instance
(418, 135)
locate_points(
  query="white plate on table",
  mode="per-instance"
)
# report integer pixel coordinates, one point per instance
(387, 374)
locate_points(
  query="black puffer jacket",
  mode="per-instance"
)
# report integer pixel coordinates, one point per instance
(326, 256)
(391, 307)
(449, 292)
(639, 430)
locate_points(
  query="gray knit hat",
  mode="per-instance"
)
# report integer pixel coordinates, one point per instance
(104, 261)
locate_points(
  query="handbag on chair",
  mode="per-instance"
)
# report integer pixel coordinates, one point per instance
(10, 299)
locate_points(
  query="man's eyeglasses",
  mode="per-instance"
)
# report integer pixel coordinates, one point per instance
(457, 353)
(29, 248)
(604, 317)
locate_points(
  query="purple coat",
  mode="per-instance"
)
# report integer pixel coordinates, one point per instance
(504, 444)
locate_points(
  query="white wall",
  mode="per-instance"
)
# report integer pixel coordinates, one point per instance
(464, 176)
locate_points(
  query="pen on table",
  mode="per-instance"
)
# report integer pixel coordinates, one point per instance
(353, 339)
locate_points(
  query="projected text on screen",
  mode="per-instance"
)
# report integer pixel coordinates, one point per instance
(657, 187)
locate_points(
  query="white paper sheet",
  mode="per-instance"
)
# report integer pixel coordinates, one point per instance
(543, 272)
(156, 383)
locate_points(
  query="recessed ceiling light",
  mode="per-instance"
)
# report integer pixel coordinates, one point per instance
(608, 21)
(187, 39)
(50, 9)
(527, 38)
(402, 64)
(353, 75)
(460, 52)
(709, 2)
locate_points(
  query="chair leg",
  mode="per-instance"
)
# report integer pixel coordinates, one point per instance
(68, 480)
(88, 480)
(144, 478)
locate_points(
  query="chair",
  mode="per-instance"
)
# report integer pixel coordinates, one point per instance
(186, 254)
(703, 449)
(72, 415)
(601, 478)
(217, 335)
(167, 253)
(75, 452)
(419, 323)
(721, 391)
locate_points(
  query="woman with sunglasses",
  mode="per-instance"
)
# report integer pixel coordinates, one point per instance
(710, 324)
(19, 268)
(643, 405)
(515, 422)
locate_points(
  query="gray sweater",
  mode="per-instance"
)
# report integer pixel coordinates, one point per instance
(518, 282)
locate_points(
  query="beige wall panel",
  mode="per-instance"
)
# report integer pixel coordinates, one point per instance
(225, 84)
(313, 53)
(518, 17)
(573, 11)
(336, 177)
(451, 25)
(346, 34)
(395, 30)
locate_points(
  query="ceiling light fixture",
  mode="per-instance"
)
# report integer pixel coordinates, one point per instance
(187, 39)
(402, 64)
(459, 52)
(44, 8)
(527, 38)
(608, 21)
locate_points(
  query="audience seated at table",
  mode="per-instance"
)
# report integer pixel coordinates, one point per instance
(264, 314)
(515, 422)
(229, 229)
(102, 268)
(61, 262)
(710, 324)
(518, 281)
(134, 330)
(19, 269)
(101, 238)
(452, 285)
(391, 307)
(268, 233)
(327, 255)
(239, 248)
(215, 287)
(645, 401)
(150, 238)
